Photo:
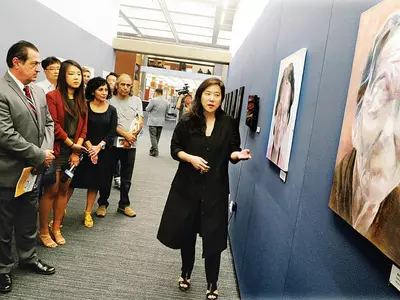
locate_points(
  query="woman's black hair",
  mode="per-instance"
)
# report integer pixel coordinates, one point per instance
(79, 95)
(196, 113)
(93, 84)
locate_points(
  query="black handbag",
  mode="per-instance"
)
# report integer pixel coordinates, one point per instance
(49, 175)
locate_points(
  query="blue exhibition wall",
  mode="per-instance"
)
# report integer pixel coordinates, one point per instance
(52, 34)
(285, 240)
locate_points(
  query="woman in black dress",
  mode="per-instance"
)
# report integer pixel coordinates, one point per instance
(204, 141)
(96, 168)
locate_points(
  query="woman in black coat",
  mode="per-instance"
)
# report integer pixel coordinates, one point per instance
(204, 141)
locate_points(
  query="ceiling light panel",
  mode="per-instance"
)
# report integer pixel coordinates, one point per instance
(195, 38)
(156, 33)
(223, 34)
(143, 13)
(150, 24)
(179, 18)
(191, 7)
(126, 29)
(141, 3)
(194, 30)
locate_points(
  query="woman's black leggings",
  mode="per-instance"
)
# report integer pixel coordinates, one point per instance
(212, 263)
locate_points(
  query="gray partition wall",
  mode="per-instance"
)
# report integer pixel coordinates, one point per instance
(52, 34)
(285, 240)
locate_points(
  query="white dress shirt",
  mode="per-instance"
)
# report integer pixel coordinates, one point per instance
(46, 86)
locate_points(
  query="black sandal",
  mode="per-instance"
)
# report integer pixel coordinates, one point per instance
(184, 283)
(212, 292)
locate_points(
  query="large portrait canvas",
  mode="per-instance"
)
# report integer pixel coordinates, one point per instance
(365, 190)
(285, 109)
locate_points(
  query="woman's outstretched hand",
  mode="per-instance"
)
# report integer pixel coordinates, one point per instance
(241, 155)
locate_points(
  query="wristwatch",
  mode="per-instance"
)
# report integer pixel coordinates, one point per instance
(103, 146)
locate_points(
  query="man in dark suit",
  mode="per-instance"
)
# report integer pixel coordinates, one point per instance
(26, 140)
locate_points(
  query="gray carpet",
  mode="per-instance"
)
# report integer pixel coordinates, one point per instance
(120, 257)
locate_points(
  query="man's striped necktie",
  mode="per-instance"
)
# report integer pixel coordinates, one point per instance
(28, 94)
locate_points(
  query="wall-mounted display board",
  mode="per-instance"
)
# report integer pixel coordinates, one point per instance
(365, 190)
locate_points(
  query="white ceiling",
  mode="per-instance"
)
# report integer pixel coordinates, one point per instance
(194, 22)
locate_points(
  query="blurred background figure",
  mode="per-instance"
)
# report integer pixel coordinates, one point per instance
(111, 80)
(86, 75)
(157, 109)
(51, 66)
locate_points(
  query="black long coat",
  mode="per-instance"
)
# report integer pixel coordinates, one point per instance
(195, 196)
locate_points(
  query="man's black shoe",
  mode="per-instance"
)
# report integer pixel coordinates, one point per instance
(5, 283)
(39, 268)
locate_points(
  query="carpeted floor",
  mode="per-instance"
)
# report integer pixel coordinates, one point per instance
(120, 257)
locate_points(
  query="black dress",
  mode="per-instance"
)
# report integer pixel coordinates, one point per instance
(70, 124)
(101, 127)
(200, 201)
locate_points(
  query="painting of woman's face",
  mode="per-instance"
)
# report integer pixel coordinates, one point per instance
(285, 109)
(282, 111)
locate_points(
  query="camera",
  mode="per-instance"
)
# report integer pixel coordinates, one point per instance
(184, 90)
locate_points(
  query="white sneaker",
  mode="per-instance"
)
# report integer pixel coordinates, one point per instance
(117, 182)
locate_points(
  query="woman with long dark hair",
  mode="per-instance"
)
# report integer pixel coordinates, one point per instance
(204, 142)
(96, 169)
(68, 108)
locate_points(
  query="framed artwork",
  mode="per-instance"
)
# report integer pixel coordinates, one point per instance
(232, 102)
(366, 183)
(285, 109)
(226, 100)
(228, 104)
(239, 103)
(252, 112)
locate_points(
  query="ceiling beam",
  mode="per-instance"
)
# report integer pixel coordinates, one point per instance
(169, 19)
(133, 6)
(172, 41)
(163, 48)
(217, 22)
(123, 16)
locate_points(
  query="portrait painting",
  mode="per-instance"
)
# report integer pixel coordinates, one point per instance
(239, 103)
(285, 109)
(233, 103)
(365, 190)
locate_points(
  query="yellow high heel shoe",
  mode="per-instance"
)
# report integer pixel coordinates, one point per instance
(88, 220)
(58, 237)
(47, 241)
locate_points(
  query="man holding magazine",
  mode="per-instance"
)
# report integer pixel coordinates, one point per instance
(130, 123)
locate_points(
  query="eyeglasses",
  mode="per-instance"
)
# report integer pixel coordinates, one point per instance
(53, 69)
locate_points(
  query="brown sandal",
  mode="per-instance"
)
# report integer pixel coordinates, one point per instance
(47, 241)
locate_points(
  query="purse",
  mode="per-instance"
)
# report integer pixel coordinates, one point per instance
(49, 175)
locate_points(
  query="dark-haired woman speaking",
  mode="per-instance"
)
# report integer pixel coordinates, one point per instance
(204, 141)
(97, 169)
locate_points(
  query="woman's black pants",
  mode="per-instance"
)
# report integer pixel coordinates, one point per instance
(212, 262)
